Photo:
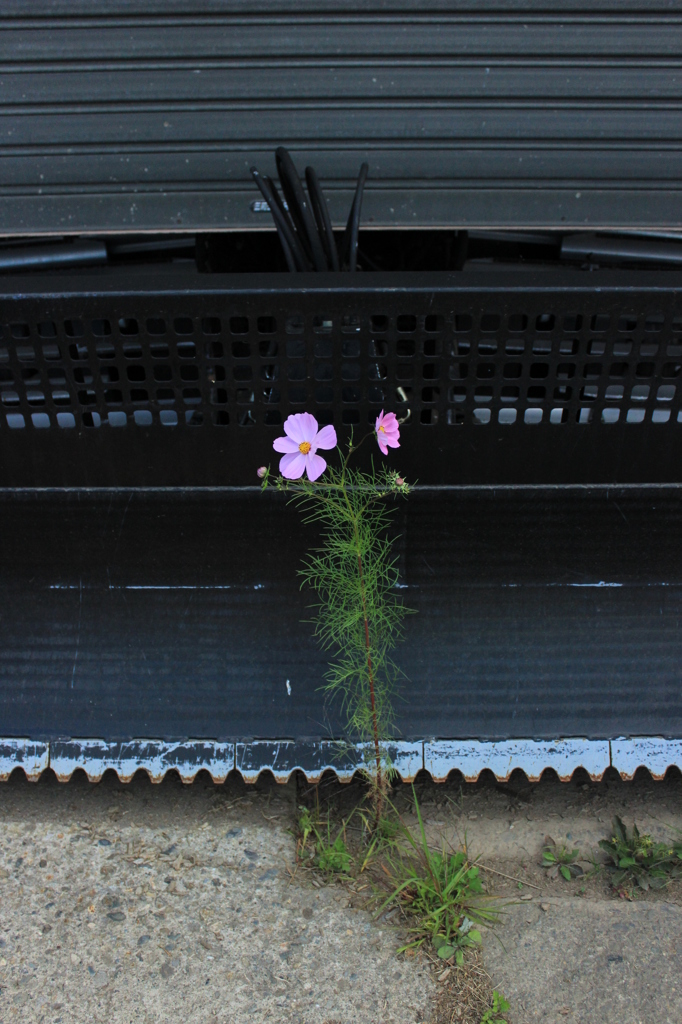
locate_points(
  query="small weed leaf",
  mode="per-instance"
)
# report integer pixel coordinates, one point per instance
(500, 1005)
(638, 859)
(314, 847)
(560, 860)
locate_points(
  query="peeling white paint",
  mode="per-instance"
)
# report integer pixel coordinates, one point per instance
(32, 756)
(313, 758)
(283, 757)
(651, 752)
(471, 757)
(154, 756)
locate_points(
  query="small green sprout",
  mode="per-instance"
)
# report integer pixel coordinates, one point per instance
(559, 860)
(500, 1005)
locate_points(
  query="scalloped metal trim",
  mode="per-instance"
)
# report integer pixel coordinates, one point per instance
(531, 756)
(657, 755)
(315, 757)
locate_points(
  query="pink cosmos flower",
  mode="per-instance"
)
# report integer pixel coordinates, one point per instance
(300, 446)
(388, 431)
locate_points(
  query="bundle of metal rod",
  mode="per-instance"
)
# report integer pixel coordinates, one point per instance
(303, 223)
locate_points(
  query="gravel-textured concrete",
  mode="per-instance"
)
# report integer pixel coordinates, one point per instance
(151, 904)
(571, 951)
(574, 961)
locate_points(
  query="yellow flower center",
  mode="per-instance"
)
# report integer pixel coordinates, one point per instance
(381, 428)
(304, 447)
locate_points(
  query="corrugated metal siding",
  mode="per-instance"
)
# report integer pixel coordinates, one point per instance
(147, 116)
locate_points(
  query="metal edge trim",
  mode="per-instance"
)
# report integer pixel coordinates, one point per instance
(282, 758)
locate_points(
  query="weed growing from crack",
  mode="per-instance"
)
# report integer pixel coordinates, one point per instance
(438, 892)
(328, 854)
(558, 859)
(500, 1005)
(636, 858)
(434, 895)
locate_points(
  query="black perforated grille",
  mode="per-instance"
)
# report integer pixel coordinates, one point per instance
(494, 386)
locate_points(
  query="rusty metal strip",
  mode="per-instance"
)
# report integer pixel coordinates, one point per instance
(282, 757)
(655, 754)
(153, 756)
(33, 757)
(471, 757)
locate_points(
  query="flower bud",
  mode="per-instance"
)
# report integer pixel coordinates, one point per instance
(262, 471)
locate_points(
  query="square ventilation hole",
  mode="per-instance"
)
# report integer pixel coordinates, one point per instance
(406, 323)
(506, 416)
(183, 325)
(532, 416)
(635, 415)
(660, 415)
(210, 325)
(128, 327)
(610, 415)
(481, 416)
(266, 325)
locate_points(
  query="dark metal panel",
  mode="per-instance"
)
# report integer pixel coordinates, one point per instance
(144, 116)
(342, 122)
(180, 83)
(208, 208)
(294, 35)
(176, 615)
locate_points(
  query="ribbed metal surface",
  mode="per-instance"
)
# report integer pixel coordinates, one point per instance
(147, 115)
(177, 616)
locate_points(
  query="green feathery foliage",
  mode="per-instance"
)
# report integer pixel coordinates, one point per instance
(359, 614)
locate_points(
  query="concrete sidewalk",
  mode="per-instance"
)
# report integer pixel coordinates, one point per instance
(150, 904)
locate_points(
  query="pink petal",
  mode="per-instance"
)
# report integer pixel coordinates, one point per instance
(315, 466)
(392, 442)
(284, 444)
(382, 444)
(293, 427)
(309, 426)
(292, 466)
(390, 421)
(326, 438)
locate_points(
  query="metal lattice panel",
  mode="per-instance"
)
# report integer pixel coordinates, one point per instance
(170, 379)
